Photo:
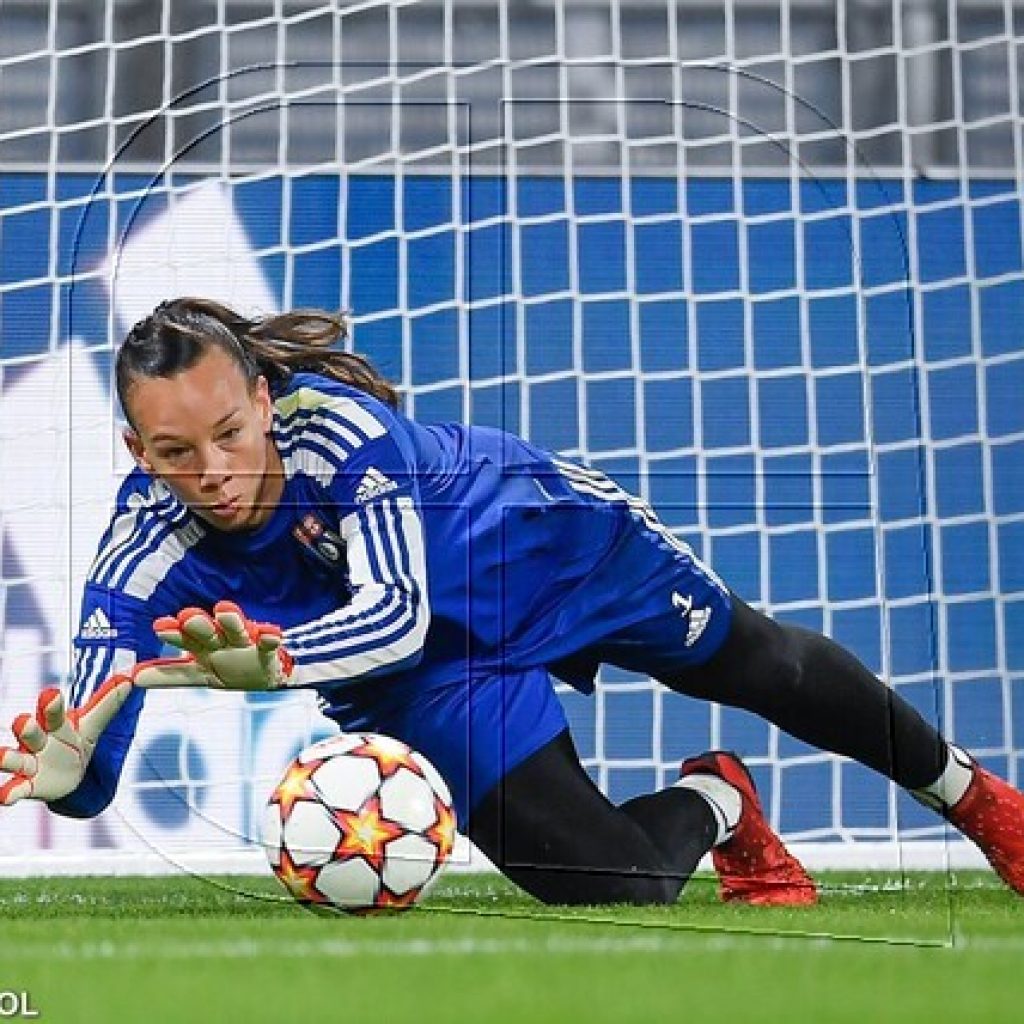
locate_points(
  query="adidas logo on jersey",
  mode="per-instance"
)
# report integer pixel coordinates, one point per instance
(697, 619)
(373, 485)
(97, 627)
(698, 623)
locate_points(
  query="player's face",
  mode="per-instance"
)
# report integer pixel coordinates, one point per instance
(206, 434)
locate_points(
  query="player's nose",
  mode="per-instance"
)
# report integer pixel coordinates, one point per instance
(214, 469)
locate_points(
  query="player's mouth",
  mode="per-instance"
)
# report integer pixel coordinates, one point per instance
(226, 509)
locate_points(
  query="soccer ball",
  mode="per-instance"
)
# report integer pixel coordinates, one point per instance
(360, 822)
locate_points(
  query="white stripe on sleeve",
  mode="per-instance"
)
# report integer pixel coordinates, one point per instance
(93, 667)
(386, 621)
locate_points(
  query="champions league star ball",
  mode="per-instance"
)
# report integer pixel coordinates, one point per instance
(360, 822)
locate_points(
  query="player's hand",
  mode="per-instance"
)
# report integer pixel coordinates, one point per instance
(224, 652)
(54, 745)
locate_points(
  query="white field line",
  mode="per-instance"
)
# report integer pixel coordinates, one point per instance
(632, 945)
(916, 855)
(243, 949)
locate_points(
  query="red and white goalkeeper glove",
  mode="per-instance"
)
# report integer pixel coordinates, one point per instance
(224, 652)
(55, 746)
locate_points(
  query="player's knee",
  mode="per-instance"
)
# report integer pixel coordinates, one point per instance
(659, 892)
(634, 890)
(639, 890)
(597, 888)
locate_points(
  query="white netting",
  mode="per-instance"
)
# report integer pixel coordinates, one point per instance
(761, 261)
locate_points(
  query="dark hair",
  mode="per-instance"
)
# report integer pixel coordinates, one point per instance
(179, 332)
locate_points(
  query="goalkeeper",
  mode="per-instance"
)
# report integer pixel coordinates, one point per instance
(287, 526)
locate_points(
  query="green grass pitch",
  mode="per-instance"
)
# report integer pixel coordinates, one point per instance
(914, 948)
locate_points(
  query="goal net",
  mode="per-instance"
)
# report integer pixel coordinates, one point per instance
(761, 261)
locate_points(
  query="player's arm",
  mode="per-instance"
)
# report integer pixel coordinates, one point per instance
(70, 751)
(72, 758)
(383, 627)
(380, 630)
(56, 748)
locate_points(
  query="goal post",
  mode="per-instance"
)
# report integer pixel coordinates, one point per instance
(762, 261)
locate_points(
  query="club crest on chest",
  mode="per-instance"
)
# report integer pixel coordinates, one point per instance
(320, 541)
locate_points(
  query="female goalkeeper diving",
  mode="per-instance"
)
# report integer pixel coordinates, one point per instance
(287, 526)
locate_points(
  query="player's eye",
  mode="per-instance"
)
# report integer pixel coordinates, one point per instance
(231, 433)
(173, 454)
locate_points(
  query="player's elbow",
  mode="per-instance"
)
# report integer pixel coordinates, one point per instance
(409, 661)
(405, 648)
(394, 658)
(384, 633)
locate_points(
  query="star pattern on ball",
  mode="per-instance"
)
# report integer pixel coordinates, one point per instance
(295, 786)
(365, 833)
(361, 818)
(389, 760)
(299, 881)
(387, 900)
(442, 832)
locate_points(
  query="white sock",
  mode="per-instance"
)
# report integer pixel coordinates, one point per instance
(724, 800)
(948, 789)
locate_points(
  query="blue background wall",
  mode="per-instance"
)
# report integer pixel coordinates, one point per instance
(846, 447)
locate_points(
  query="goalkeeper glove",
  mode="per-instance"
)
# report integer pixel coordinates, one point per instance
(225, 652)
(55, 746)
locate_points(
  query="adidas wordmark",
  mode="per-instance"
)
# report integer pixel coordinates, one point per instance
(97, 627)
(373, 485)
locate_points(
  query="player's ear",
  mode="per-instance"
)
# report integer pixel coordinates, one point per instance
(138, 451)
(263, 402)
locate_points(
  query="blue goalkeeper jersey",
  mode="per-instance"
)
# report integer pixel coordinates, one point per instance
(399, 556)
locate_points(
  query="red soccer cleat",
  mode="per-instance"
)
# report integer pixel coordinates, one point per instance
(991, 813)
(753, 865)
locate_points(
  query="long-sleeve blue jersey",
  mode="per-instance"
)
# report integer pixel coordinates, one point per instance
(400, 555)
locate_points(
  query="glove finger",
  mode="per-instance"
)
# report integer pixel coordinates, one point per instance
(29, 732)
(14, 790)
(168, 630)
(50, 709)
(95, 715)
(17, 761)
(269, 637)
(233, 625)
(200, 634)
